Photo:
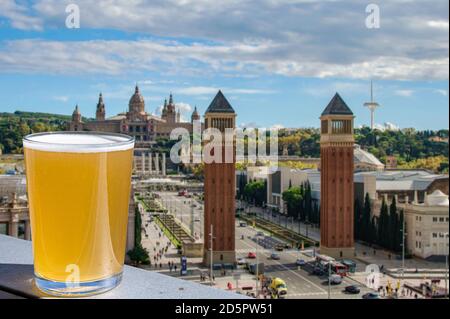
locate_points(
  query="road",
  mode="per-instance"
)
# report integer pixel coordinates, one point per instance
(301, 284)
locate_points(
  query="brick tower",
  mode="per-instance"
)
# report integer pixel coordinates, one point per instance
(220, 187)
(337, 194)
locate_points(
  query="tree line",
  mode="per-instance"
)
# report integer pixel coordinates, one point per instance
(384, 230)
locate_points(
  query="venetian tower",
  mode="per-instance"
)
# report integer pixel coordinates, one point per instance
(219, 186)
(337, 187)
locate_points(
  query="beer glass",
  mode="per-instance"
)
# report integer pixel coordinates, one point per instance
(78, 187)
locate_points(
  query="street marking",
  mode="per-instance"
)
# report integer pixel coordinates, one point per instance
(290, 270)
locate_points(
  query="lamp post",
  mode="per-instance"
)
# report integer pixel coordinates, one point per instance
(306, 224)
(212, 255)
(446, 269)
(329, 280)
(403, 247)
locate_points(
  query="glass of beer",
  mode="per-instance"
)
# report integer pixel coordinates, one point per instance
(78, 187)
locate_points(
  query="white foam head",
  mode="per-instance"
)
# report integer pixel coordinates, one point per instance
(78, 142)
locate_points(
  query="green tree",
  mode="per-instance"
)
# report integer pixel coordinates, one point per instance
(393, 228)
(366, 219)
(293, 199)
(256, 192)
(383, 225)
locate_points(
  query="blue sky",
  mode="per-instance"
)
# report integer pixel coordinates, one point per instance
(279, 62)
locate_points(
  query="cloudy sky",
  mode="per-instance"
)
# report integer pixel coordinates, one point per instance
(279, 62)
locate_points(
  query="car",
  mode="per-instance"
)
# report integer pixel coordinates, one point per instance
(241, 261)
(371, 295)
(260, 233)
(275, 256)
(242, 224)
(318, 271)
(197, 220)
(335, 279)
(352, 290)
(251, 255)
(300, 262)
(279, 247)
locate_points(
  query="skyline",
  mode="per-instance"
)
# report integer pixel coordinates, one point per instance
(288, 68)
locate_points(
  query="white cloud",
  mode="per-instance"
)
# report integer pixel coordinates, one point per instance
(286, 37)
(20, 16)
(183, 107)
(441, 92)
(388, 126)
(404, 93)
(207, 90)
(277, 127)
(61, 98)
(441, 24)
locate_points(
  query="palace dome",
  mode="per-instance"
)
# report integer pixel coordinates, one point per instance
(437, 198)
(137, 103)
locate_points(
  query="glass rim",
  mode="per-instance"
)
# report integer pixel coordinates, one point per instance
(79, 147)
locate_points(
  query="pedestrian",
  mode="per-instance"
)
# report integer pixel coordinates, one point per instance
(160, 265)
(175, 267)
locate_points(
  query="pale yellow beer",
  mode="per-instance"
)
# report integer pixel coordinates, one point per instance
(78, 190)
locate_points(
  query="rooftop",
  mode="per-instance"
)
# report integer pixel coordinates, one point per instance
(337, 106)
(220, 105)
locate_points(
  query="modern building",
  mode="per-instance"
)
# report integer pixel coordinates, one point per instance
(400, 184)
(279, 180)
(337, 189)
(219, 186)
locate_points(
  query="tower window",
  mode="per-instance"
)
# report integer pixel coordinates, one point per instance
(324, 125)
(341, 126)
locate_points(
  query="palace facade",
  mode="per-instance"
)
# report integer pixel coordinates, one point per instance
(145, 127)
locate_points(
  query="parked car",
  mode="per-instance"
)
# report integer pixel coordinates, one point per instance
(335, 279)
(318, 271)
(260, 233)
(371, 295)
(300, 262)
(251, 255)
(275, 256)
(279, 247)
(352, 290)
(241, 261)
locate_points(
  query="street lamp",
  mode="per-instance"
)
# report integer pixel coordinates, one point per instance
(446, 267)
(403, 246)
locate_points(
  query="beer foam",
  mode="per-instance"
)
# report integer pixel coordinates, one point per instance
(78, 142)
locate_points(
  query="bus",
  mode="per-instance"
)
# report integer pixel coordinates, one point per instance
(339, 268)
(323, 262)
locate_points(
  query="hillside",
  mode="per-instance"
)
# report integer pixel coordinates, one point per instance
(413, 149)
